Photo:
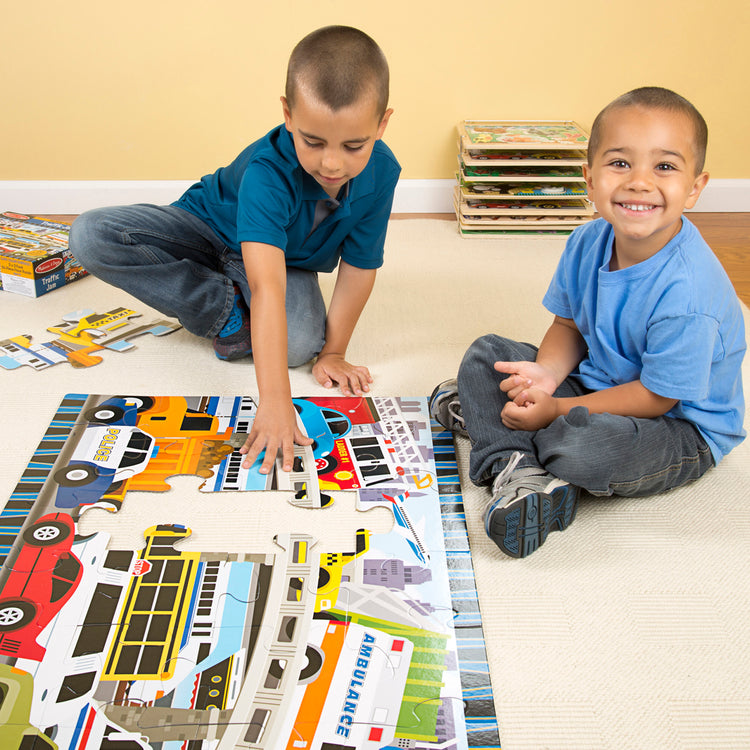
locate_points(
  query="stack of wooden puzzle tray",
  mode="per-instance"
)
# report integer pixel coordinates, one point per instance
(520, 177)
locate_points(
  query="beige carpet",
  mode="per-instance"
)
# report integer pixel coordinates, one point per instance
(630, 630)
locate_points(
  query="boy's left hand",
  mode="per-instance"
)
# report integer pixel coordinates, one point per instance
(351, 379)
(532, 409)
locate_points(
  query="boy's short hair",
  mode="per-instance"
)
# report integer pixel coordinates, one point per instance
(339, 64)
(655, 97)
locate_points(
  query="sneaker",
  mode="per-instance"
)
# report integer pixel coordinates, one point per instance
(526, 504)
(233, 341)
(445, 407)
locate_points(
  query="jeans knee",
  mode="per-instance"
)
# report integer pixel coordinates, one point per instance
(299, 357)
(79, 238)
(479, 353)
(481, 356)
(563, 448)
(88, 235)
(492, 348)
(303, 346)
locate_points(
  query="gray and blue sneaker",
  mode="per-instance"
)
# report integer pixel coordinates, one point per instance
(526, 504)
(445, 408)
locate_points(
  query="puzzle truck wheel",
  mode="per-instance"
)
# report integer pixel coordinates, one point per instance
(314, 664)
(15, 614)
(75, 475)
(105, 414)
(326, 464)
(142, 403)
(111, 413)
(46, 533)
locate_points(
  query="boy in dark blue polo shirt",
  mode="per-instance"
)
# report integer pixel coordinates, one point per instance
(236, 258)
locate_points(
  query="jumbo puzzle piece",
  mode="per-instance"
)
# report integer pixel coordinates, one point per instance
(117, 649)
(81, 335)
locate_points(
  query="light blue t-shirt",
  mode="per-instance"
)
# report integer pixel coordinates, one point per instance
(264, 195)
(672, 321)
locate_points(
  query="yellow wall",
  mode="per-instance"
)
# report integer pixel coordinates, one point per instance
(171, 89)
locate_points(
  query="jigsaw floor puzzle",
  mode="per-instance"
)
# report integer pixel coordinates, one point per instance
(82, 336)
(376, 646)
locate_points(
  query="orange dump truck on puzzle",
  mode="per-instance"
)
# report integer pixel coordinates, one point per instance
(188, 442)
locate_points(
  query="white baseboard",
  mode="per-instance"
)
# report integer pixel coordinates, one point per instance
(412, 196)
(424, 197)
(725, 196)
(77, 196)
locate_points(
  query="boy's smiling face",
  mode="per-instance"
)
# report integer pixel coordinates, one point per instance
(643, 177)
(333, 147)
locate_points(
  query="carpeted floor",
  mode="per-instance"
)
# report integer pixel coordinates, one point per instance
(629, 630)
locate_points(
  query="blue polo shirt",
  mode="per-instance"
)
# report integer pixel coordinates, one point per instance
(264, 195)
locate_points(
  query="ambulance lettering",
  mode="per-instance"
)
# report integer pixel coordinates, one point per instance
(357, 681)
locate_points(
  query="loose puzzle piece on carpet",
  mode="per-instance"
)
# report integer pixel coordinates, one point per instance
(81, 335)
(163, 648)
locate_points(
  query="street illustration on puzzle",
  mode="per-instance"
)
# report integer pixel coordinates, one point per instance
(82, 335)
(376, 646)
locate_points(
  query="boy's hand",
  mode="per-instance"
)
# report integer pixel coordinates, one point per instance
(522, 375)
(532, 409)
(274, 430)
(351, 379)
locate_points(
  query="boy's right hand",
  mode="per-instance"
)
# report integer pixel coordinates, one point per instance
(274, 430)
(524, 375)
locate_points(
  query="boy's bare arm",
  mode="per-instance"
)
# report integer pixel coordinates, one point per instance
(275, 425)
(350, 294)
(628, 400)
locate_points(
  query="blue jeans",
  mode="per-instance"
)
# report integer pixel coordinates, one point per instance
(174, 262)
(604, 454)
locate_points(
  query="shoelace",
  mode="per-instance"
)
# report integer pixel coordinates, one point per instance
(504, 475)
(453, 407)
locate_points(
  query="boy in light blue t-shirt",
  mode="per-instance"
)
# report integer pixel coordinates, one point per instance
(636, 387)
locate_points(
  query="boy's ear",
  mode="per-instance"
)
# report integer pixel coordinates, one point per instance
(383, 123)
(589, 183)
(287, 113)
(700, 182)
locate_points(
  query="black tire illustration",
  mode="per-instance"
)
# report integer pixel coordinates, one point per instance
(105, 414)
(14, 614)
(46, 533)
(143, 403)
(75, 475)
(315, 658)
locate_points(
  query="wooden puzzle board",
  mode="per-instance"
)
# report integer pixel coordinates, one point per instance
(520, 176)
(525, 134)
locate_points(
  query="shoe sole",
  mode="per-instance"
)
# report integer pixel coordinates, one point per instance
(522, 526)
(233, 356)
(235, 350)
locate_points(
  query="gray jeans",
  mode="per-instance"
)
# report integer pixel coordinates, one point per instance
(604, 454)
(175, 263)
